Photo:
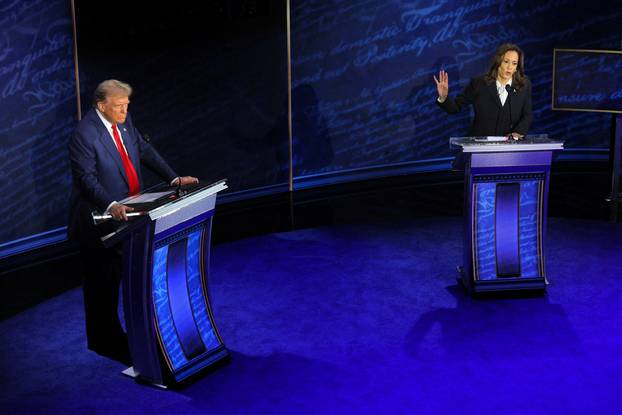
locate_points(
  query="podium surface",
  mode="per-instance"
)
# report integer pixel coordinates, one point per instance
(171, 329)
(506, 188)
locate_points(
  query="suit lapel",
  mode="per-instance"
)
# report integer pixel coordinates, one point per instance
(129, 144)
(492, 89)
(105, 140)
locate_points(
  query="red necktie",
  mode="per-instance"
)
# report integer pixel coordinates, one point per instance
(130, 172)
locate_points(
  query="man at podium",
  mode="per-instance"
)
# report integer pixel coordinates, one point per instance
(106, 154)
(501, 98)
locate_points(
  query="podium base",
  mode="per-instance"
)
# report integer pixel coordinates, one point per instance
(130, 372)
(508, 286)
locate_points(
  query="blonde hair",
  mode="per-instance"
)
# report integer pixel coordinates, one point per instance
(106, 88)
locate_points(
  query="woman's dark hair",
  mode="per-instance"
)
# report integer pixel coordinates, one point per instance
(519, 78)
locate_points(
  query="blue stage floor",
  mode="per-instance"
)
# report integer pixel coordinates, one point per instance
(358, 319)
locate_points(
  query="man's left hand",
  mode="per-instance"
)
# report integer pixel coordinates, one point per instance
(180, 181)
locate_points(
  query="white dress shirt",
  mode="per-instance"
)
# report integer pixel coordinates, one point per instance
(109, 129)
(503, 93)
(108, 126)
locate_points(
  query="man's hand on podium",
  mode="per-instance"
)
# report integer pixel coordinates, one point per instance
(119, 211)
(180, 181)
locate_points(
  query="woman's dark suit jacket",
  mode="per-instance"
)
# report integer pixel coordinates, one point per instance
(492, 119)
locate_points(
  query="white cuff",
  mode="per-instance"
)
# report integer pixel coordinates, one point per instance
(109, 206)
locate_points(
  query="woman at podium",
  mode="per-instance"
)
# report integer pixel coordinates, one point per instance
(501, 98)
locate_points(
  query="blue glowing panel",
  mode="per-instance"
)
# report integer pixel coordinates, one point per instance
(588, 80)
(485, 226)
(528, 225)
(197, 295)
(179, 300)
(506, 229)
(164, 318)
(485, 230)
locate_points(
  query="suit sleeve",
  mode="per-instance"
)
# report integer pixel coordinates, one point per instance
(526, 117)
(84, 169)
(466, 97)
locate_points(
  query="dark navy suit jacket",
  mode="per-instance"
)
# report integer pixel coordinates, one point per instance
(97, 170)
(490, 117)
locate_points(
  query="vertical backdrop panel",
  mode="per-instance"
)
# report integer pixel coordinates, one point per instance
(37, 115)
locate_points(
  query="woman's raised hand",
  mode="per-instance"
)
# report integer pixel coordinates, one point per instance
(442, 85)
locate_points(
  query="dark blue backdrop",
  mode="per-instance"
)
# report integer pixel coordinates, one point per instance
(37, 110)
(209, 78)
(211, 86)
(363, 93)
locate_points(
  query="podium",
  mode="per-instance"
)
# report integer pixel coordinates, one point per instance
(506, 186)
(166, 250)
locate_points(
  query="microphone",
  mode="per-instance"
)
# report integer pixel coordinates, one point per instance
(510, 90)
(144, 136)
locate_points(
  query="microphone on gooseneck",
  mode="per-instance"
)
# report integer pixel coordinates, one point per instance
(510, 90)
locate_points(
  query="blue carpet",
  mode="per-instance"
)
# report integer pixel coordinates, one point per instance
(358, 319)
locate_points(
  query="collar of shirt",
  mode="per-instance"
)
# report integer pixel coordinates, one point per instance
(108, 126)
(502, 92)
(502, 87)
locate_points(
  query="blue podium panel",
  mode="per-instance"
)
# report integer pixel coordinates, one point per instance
(506, 186)
(172, 332)
(506, 217)
(506, 232)
(184, 322)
